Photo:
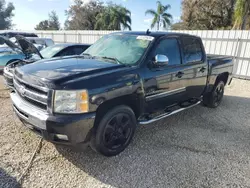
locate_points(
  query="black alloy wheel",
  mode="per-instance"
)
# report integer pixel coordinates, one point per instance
(114, 131)
(118, 130)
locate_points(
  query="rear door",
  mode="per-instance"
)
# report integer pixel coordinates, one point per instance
(195, 66)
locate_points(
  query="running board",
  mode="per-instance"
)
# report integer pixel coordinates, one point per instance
(145, 122)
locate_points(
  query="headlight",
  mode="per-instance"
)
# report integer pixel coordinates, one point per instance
(66, 101)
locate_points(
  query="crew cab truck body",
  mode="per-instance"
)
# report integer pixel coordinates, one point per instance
(122, 80)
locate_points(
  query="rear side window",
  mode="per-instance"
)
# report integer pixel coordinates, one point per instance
(170, 48)
(79, 49)
(192, 49)
(72, 50)
(67, 52)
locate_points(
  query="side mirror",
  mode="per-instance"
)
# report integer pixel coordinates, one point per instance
(161, 60)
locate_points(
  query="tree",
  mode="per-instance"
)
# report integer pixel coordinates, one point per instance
(51, 24)
(6, 14)
(241, 14)
(179, 26)
(54, 21)
(43, 25)
(94, 15)
(207, 14)
(113, 17)
(160, 16)
(83, 16)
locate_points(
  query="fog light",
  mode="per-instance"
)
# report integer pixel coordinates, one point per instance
(61, 137)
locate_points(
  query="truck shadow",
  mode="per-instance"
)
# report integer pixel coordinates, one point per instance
(160, 145)
(7, 181)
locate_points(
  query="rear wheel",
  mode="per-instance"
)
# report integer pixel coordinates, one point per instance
(115, 131)
(214, 98)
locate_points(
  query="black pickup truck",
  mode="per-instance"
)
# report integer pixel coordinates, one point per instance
(124, 79)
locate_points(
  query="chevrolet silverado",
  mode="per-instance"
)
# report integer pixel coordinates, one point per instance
(123, 80)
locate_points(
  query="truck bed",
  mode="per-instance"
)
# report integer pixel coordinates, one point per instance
(219, 64)
(216, 57)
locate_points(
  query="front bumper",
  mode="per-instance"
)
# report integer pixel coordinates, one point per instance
(77, 128)
(8, 76)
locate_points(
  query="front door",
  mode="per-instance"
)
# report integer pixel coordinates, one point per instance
(163, 86)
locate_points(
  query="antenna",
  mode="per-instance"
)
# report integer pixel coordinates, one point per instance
(147, 32)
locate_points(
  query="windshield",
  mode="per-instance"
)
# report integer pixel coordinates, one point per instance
(50, 51)
(126, 49)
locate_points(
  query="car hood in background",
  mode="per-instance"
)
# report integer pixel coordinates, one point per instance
(27, 47)
(5, 40)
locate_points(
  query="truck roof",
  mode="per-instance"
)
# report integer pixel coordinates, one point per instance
(155, 34)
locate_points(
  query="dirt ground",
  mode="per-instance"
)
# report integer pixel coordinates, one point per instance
(199, 147)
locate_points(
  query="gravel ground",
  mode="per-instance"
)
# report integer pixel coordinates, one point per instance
(199, 147)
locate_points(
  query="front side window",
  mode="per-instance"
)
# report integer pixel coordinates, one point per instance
(192, 49)
(169, 48)
(127, 49)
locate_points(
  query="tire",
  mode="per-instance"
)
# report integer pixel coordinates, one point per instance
(214, 98)
(114, 131)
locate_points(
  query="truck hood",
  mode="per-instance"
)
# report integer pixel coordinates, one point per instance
(59, 70)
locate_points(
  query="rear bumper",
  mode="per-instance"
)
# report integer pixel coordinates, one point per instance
(63, 129)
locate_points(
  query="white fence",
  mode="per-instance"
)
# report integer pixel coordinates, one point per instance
(222, 42)
(88, 37)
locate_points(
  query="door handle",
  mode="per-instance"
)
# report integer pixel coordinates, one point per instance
(202, 69)
(179, 74)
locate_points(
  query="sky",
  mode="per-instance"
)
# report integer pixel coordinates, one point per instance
(28, 13)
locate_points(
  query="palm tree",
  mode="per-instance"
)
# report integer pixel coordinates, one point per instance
(241, 13)
(125, 16)
(160, 16)
(113, 18)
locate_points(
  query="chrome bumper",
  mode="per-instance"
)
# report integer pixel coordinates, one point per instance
(8, 73)
(30, 114)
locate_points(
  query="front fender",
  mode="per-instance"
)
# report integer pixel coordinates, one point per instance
(113, 86)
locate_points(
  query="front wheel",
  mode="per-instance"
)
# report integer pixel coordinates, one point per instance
(115, 131)
(214, 98)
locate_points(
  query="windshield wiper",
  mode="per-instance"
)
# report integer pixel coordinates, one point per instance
(111, 58)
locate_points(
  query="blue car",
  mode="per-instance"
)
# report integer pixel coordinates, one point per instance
(11, 50)
(11, 54)
(32, 54)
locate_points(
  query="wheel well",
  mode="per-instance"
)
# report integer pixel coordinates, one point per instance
(222, 77)
(128, 100)
(12, 60)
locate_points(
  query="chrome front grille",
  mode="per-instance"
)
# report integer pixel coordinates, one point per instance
(31, 94)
